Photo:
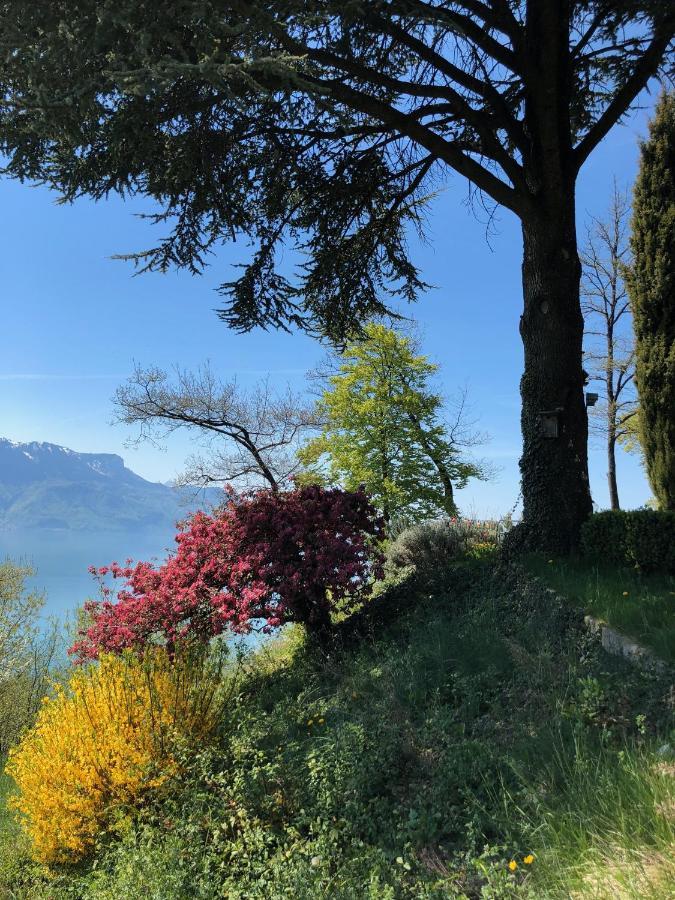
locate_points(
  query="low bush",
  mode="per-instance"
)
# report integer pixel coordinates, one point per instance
(642, 538)
(423, 547)
(104, 741)
(429, 546)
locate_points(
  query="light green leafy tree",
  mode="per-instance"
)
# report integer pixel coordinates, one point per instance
(383, 427)
(26, 653)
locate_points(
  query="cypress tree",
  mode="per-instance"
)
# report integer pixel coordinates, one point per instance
(651, 285)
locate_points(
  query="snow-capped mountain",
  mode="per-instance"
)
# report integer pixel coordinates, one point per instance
(44, 485)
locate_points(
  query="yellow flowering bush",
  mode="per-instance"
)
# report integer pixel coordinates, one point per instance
(102, 743)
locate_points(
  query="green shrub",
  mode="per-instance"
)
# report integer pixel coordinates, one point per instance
(28, 654)
(424, 547)
(644, 538)
(427, 547)
(651, 539)
(604, 536)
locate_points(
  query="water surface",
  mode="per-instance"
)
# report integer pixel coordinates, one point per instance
(61, 559)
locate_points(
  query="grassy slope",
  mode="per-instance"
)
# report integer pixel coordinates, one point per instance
(478, 725)
(641, 606)
(15, 868)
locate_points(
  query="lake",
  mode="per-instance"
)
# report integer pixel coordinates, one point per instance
(61, 559)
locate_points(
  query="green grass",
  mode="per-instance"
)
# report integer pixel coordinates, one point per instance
(476, 724)
(14, 859)
(640, 606)
(8, 828)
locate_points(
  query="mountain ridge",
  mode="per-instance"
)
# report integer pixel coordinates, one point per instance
(48, 486)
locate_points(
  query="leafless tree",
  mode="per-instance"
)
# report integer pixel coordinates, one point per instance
(244, 436)
(609, 353)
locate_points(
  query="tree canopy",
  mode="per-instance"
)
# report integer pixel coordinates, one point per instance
(247, 437)
(325, 124)
(384, 428)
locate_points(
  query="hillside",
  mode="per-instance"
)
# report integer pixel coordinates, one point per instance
(46, 486)
(466, 739)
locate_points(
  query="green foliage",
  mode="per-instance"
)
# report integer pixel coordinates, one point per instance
(430, 547)
(643, 538)
(19, 610)
(651, 284)
(639, 605)
(26, 654)
(413, 766)
(20, 877)
(383, 428)
(631, 435)
(426, 548)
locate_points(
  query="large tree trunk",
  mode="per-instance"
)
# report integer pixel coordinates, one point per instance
(554, 467)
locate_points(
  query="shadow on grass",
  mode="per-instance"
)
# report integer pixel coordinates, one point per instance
(449, 736)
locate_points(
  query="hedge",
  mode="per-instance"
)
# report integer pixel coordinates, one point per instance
(643, 538)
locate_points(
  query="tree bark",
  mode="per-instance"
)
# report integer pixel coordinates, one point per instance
(315, 616)
(554, 464)
(611, 405)
(611, 473)
(448, 492)
(554, 467)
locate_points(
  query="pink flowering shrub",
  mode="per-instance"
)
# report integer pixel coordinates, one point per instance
(277, 557)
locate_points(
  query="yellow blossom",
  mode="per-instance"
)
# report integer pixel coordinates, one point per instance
(528, 860)
(101, 744)
(625, 593)
(513, 865)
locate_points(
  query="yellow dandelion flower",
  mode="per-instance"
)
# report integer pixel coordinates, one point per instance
(528, 860)
(310, 722)
(321, 721)
(513, 865)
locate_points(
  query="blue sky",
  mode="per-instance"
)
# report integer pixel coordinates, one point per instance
(75, 321)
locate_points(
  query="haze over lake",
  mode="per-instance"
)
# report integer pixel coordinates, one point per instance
(62, 511)
(61, 559)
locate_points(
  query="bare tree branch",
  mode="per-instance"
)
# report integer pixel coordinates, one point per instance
(609, 356)
(645, 68)
(260, 427)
